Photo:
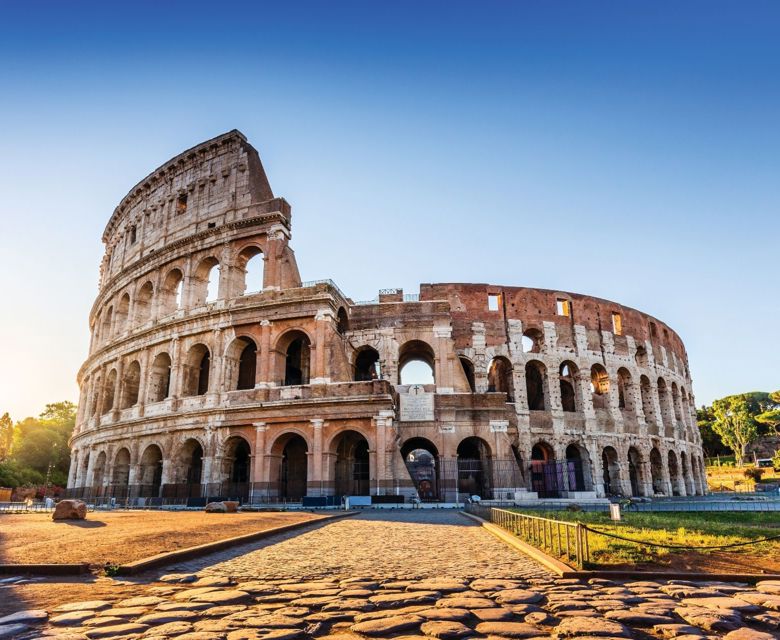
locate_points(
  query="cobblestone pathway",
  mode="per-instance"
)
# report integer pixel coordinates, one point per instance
(404, 575)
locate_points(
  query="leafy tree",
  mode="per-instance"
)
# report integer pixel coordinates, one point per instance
(770, 418)
(735, 422)
(6, 435)
(713, 445)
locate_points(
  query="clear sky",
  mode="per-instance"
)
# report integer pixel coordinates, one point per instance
(628, 150)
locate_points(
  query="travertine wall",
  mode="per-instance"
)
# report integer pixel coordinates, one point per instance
(194, 384)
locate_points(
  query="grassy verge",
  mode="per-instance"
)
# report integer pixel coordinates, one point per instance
(690, 529)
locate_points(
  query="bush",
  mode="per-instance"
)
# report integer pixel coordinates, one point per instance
(776, 460)
(753, 473)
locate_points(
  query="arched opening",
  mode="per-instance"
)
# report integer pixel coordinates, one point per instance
(532, 341)
(297, 358)
(635, 471)
(500, 378)
(646, 391)
(99, 473)
(545, 479)
(599, 386)
(663, 400)
(611, 472)
(577, 468)
(656, 472)
(143, 303)
(171, 292)
(422, 461)
(641, 357)
(247, 365)
(416, 363)
(567, 374)
(190, 472)
(130, 385)
(342, 321)
(676, 403)
(197, 371)
(468, 371)
(367, 365)
(108, 392)
(687, 479)
(251, 261)
(150, 473)
(108, 317)
(96, 386)
(625, 391)
(535, 374)
(120, 474)
(674, 473)
(352, 466)
(293, 467)
(160, 378)
(122, 313)
(205, 282)
(474, 469)
(236, 468)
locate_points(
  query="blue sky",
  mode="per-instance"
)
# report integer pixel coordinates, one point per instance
(620, 149)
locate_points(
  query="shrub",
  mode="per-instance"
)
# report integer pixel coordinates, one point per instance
(753, 473)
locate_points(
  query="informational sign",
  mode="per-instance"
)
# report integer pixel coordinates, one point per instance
(447, 428)
(416, 405)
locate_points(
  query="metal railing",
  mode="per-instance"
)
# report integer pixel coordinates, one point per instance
(565, 540)
(327, 281)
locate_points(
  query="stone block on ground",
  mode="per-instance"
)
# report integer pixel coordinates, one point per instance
(216, 507)
(70, 510)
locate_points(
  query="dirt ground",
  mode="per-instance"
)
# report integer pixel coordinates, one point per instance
(717, 562)
(123, 536)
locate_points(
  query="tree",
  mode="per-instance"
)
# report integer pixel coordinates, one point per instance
(770, 418)
(6, 436)
(735, 422)
(711, 442)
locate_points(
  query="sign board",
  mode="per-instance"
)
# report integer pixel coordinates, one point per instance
(416, 405)
(447, 428)
(499, 426)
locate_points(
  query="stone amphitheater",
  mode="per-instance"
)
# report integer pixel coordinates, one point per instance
(214, 370)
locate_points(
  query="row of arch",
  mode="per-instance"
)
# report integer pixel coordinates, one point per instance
(145, 300)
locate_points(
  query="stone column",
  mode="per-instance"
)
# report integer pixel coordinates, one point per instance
(442, 371)
(316, 477)
(320, 375)
(265, 357)
(74, 465)
(260, 479)
(382, 480)
(118, 387)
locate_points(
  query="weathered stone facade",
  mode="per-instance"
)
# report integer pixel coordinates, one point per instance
(195, 385)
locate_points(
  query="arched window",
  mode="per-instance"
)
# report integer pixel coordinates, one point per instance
(599, 386)
(205, 282)
(108, 392)
(468, 371)
(131, 382)
(197, 371)
(143, 303)
(122, 313)
(121, 472)
(416, 361)
(342, 324)
(297, 357)
(150, 472)
(648, 408)
(567, 375)
(108, 317)
(535, 374)
(533, 341)
(474, 473)
(212, 283)
(251, 261)
(171, 292)
(500, 378)
(247, 365)
(367, 365)
(625, 390)
(160, 378)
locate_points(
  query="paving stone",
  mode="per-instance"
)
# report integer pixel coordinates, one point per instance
(178, 578)
(201, 635)
(119, 630)
(355, 593)
(451, 630)
(582, 626)
(735, 604)
(225, 610)
(214, 581)
(390, 625)
(28, 616)
(674, 630)
(387, 613)
(262, 634)
(103, 621)
(86, 605)
(540, 618)
(404, 598)
(769, 586)
(187, 594)
(170, 629)
(182, 606)
(228, 596)
(638, 618)
(71, 618)
(466, 603)
(11, 630)
(446, 613)
(766, 600)
(349, 604)
(163, 617)
(483, 584)
(518, 596)
(710, 619)
(273, 621)
(745, 633)
(495, 614)
(257, 588)
(443, 585)
(508, 629)
(331, 616)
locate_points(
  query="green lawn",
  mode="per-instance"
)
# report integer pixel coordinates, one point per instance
(691, 529)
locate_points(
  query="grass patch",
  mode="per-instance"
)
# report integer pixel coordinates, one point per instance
(689, 529)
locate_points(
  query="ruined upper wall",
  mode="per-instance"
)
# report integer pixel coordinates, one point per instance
(469, 303)
(203, 187)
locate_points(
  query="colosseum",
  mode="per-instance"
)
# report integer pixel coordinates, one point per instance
(213, 370)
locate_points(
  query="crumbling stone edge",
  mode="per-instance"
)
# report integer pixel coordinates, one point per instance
(565, 571)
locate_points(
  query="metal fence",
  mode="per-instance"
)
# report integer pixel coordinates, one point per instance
(565, 540)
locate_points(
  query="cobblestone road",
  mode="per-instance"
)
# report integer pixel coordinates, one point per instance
(403, 575)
